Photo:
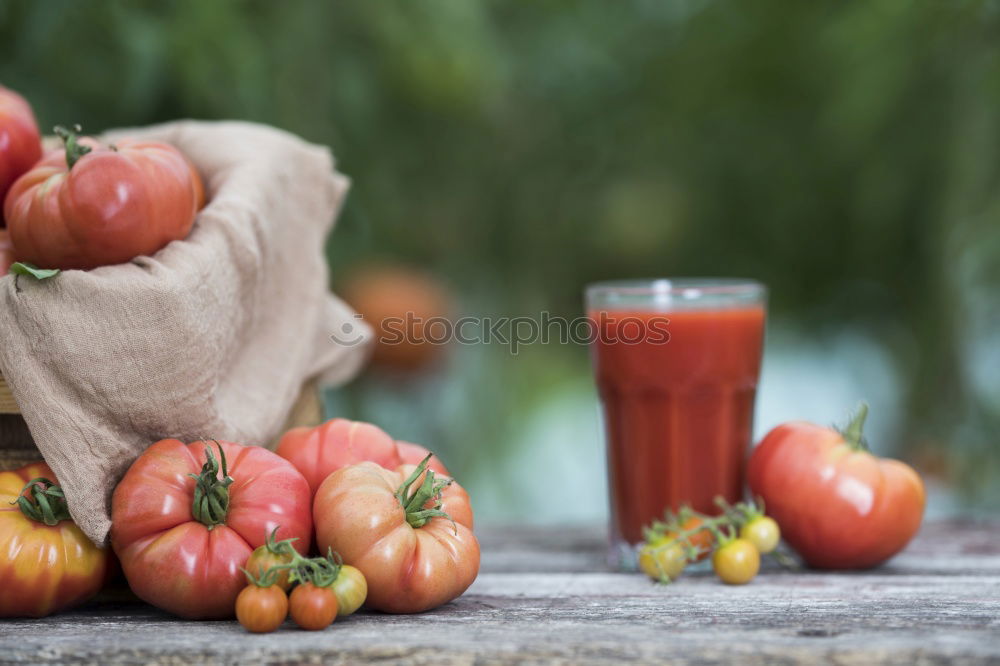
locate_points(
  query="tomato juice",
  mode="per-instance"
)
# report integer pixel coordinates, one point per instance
(676, 364)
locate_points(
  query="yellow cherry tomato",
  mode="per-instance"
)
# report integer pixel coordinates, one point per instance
(736, 562)
(351, 589)
(763, 533)
(662, 559)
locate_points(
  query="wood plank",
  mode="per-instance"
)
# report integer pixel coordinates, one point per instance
(938, 602)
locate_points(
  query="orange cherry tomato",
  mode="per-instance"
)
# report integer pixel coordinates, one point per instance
(93, 205)
(313, 607)
(838, 505)
(261, 609)
(47, 563)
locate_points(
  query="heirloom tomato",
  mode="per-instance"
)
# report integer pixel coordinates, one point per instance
(318, 452)
(46, 563)
(415, 548)
(837, 504)
(183, 533)
(20, 143)
(93, 205)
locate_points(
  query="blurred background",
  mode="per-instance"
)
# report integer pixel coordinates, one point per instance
(505, 153)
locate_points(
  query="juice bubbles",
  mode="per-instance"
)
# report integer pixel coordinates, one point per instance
(676, 363)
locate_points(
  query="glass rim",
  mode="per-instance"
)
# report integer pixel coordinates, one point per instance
(740, 287)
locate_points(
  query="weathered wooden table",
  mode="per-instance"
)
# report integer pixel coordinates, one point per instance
(545, 596)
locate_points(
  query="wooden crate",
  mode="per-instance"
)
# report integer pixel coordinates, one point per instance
(18, 449)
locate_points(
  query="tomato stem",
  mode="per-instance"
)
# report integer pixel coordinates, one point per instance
(853, 432)
(417, 515)
(74, 149)
(43, 501)
(211, 494)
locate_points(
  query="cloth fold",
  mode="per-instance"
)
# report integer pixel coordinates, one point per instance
(212, 337)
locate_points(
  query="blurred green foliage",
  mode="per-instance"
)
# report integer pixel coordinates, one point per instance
(847, 154)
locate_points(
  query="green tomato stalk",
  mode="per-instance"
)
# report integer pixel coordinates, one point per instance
(43, 501)
(417, 514)
(211, 494)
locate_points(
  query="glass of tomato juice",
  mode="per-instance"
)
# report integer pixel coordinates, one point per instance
(676, 363)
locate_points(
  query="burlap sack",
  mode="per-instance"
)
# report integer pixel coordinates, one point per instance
(211, 337)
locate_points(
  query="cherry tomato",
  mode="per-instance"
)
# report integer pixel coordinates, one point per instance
(702, 540)
(271, 554)
(662, 559)
(261, 609)
(762, 532)
(736, 562)
(351, 589)
(313, 607)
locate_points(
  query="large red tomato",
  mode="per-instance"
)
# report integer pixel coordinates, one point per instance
(93, 205)
(182, 532)
(20, 143)
(318, 452)
(838, 505)
(46, 562)
(409, 532)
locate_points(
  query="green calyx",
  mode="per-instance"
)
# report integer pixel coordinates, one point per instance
(415, 504)
(283, 547)
(853, 432)
(43, 501)
(211, 494)
(74, 149)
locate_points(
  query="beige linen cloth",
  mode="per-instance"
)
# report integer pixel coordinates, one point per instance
(212, 337)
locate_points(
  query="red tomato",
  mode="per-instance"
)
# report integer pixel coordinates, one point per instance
(182, 541)
(320, 451)
(93, 205)
(46, 563)
(261, 609)
(838, 505)
(20, 143)
(6, 252)
(313, 607)
(392, 526)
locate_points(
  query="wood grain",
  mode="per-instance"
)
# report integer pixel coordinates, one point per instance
(544, 597)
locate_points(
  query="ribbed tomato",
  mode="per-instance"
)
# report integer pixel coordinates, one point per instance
(318, 452)
(20, 143)
(409, 533)
(837, 504)
(182, 532)
(93, 205)
(46, 563)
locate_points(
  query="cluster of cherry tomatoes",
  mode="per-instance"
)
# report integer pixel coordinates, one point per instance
(735, 540)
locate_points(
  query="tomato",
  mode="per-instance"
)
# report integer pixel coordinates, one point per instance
(351, 589)
(272, 553)
(762, 532)
(313, 607)
(182, 533)
(20, 143)
(318, 452)
(736, 562)
(93, 205)
(662, 559)
(6, 252)
(261, 609)
(416, 549)
(46, 563)
(838, 505)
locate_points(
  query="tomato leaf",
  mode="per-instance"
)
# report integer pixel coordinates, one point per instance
(20, 268)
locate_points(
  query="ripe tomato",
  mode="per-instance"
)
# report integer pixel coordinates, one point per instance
(313, 607)
(663, 559)
(6, 252)
(182, 533)
(272, 553)
(320, 451)
(736, 562)
(838, 505)
(762, 532)
(261, 609)
(46, 563)
(351, 589)
(405, 543)
(20, 143)
(93, 205)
